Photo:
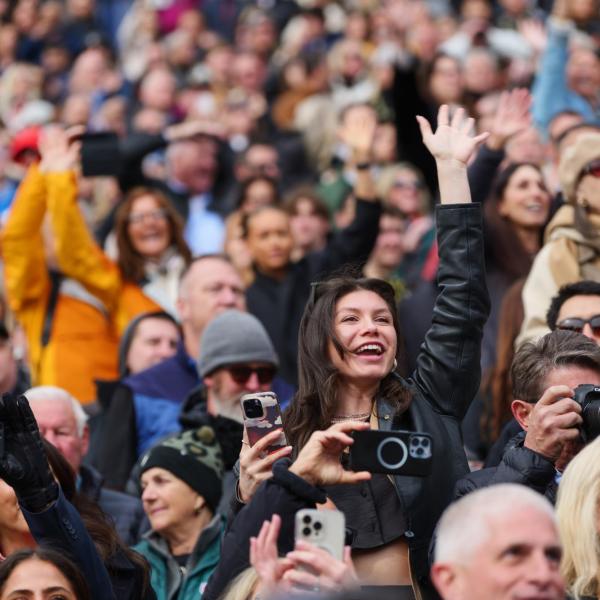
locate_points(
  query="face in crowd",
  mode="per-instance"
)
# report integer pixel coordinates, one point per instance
(364, 327)
(228, 384)
(155, 339)
(210, 286)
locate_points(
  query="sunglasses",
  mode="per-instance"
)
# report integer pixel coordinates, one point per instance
(577, 325)
(240, 374)
(592, 169)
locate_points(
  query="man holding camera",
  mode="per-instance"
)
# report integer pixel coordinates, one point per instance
(548, 406)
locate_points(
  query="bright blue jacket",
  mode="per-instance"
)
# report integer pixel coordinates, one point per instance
(551, 94)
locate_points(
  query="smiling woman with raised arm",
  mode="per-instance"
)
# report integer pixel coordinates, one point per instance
(348, 351)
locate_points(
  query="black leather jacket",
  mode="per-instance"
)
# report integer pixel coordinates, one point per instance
(445, 381)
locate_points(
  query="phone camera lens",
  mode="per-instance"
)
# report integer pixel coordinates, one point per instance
(306, 519)
(306, 531)
(318, 525)
(420, 451)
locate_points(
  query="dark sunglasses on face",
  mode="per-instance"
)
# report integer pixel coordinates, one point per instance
(592, 169)
(241, 373)
(577, 325)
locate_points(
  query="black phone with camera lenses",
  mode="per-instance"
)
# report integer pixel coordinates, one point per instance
(392, 452)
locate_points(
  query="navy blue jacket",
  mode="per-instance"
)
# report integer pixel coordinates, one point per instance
(60, 527)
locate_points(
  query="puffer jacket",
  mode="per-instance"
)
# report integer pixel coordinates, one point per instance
(168, 579)
(93, 303)
(518, 465)
(443, 384)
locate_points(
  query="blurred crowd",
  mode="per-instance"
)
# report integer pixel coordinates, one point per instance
(386, 212)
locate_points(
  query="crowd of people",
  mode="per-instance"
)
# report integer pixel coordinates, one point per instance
(386, 213)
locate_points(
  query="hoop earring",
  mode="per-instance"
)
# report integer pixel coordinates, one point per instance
(395, 365)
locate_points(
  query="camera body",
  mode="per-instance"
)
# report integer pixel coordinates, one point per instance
(392, 452)
(588, 397)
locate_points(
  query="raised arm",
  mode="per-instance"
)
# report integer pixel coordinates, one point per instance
(448, 366)
(355, 242)
(51, 518)
(78, 255)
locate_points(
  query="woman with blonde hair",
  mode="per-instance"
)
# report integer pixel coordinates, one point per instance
(577, 513)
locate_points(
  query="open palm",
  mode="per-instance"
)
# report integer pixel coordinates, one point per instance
(453, 139)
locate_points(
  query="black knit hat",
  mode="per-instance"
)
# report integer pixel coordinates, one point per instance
(194, 457)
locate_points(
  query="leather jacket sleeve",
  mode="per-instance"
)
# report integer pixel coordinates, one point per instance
(448, 368)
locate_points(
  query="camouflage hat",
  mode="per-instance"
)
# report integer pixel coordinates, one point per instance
(194, 457)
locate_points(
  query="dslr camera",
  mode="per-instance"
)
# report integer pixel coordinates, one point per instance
(588, 397)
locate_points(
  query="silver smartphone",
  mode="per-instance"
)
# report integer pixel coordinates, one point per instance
(325, 529)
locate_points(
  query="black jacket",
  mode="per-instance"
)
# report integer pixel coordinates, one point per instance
(518, 465)
(445, 381)
(279, 305)
(125, 511)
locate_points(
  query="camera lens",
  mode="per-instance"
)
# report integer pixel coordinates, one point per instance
(317, 525)
(306, 531)
(253, 408)
(306, 519)
(420, 451)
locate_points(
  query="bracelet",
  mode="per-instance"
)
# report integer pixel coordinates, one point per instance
(362, 166)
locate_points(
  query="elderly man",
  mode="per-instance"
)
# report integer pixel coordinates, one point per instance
(499, 543)
(63, 422)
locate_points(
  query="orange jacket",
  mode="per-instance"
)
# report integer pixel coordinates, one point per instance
(83, 344)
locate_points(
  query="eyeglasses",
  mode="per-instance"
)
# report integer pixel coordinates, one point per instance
(153, 215)
(408, 185)
(577, 325)
(592, 169)
(241, 373)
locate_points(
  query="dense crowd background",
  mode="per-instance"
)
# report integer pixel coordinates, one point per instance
(190, 191)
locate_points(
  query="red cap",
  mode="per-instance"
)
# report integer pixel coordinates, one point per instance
(26, 139)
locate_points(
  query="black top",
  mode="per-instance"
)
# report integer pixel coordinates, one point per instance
(279, 305)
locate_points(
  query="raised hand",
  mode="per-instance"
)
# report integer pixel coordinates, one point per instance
(59, 148)
(512, 117)
(314, 568)
(23, 462)
(319, 460)
(264, 556)
(453, 140)
(358, 131)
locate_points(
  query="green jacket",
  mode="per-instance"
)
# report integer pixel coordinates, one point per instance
(168, 579)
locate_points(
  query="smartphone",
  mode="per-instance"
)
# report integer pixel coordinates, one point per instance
(100, 154)
(392, 452)
(325, 529)
(261, 415)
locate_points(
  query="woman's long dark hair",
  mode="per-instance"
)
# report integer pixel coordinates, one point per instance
(101, 530)
(503, 246)
(131, 262)
(315, 403)
(497, 382)
(67, 567)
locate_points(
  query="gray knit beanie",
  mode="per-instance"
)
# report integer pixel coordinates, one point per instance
(234, 337)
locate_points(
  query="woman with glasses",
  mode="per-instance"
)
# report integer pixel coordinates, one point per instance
(348, 354)
(572, 240)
